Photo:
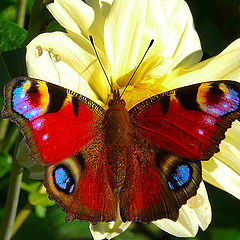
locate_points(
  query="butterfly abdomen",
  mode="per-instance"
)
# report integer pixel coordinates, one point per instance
(118, 135)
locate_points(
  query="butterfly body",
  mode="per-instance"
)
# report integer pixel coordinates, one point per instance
(144, 162)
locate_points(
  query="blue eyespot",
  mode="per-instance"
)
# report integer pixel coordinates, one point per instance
(63, 179)
(227, 103)
(180, 176)
(22, 103)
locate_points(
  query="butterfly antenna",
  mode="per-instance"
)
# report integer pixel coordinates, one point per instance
(149, 46)
(91, 40)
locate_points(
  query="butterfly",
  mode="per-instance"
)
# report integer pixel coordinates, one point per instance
(144, 163)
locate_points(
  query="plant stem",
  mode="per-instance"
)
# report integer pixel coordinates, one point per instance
(3, 130)
(10, 138)
(21, 12)
(21, 217)
(11, 202)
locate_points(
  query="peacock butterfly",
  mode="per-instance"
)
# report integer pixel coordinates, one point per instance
(145, 162)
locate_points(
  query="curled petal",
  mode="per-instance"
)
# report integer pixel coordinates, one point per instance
(197, 212)
(183, 43)
(82, 18)
(226, 65)
(223, 170)
(109, 230)
(56, 58)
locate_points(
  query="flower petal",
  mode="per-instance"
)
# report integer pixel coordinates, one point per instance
(223, 169)
(61, 61)
(129, 28)
(183, 43)
(226, 65)
(81, 18)
(109, 230)
(197, 212)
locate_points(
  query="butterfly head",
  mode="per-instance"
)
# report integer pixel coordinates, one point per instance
(116, 102)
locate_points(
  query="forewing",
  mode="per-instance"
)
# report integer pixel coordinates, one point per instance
(56, 122)
(189, 121)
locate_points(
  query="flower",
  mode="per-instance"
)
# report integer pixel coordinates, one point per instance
(122, 31)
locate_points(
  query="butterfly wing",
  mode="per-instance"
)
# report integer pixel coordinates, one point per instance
(55, 122)
(158, 183)
(82, 185)
(62, 132)
(173, 131)
(189, 121)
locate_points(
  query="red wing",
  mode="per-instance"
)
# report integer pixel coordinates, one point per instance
(157, 184)
(189, 121)
(82, 185)
(55, 122)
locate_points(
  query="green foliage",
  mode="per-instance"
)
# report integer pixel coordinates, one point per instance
(40, 199)
(31, 187)
(5, 163)
(54, 26)
(11, 36)
(40, 211)
(12, 56)
(225, 233)
(63, 230)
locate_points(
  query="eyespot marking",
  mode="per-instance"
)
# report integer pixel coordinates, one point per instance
(217, 99)
(63, 179)
(30, 99)
(180, 176)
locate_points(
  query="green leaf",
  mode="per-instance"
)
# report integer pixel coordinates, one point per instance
(70, 230)
(12, 64)
(40, 211)
(11, 36)
(225, 233)
(5, 163)
(131, 236)
(4, 73)
(31, 187)
(55, 26)
(7, 10)
(15, 62)
(36, 198)
(35, 228)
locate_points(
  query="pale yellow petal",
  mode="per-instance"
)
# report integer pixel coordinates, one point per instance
(61, 61)
(197, 212)
(183, 43)
(223, 169)
(109, 230)
(138, 93)
(129, 28)
(226, 65)
(81, 18)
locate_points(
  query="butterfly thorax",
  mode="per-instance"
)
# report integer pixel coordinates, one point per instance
(118, 133)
